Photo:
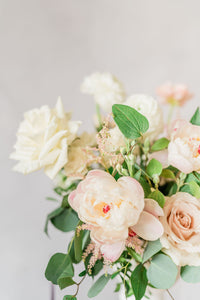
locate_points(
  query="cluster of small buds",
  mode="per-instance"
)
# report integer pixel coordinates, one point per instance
(102, 141)
(122, 171)
(135, 243)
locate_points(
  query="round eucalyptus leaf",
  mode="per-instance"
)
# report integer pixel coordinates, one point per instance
(162, 272)
(190, 274)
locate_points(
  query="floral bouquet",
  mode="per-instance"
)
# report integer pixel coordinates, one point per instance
(130, 192)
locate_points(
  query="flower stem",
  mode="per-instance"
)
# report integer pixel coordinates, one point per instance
(99, 116)
(78, 284)
(170, 294)
(170, 113)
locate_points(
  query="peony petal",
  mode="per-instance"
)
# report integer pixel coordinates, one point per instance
(161, 156)
(112, 251)
(177, 160)
(152, 207)
(148, 227)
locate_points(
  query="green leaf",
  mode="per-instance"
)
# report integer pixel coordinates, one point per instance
(190, 274)
(83, 273)
(59, 265)
(118, 287)
(145, 186)
(160, 144)
(166, 173)
(151, 249)
(135, 255)
(154, 167)
(86, 239)
(139, 281)
(158, 197)
(97, 268)
(51, 215)
(58, 190)
(66, 221)
(195, 120)
(65, 202)
(98, 286)
(51, 199)
(193, 177)
(137, 175)
(64, 282)
(69, 297)
(195, 189)
(162, 272)
(173, 189)
(78, 245)
(131, 123)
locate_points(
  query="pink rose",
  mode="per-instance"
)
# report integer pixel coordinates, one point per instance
(181, 222)
(110, 207)
(184, 148)
(176, 94)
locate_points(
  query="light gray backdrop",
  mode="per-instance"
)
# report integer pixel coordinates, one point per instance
(46, 48)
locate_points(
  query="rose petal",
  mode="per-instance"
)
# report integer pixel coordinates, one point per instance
(112, 251)
(72, 200)
(148, 227)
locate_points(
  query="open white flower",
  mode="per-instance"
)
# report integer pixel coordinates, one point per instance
(149, 107)
(106, 89)
(79, 156)
(43, 139)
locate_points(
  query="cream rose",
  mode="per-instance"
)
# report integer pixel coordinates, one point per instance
(184, 148)
(43, 139)
(106, 89)
(78, 155)
(181, 222)
(150, 108)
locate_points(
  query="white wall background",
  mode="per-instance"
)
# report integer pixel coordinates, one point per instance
(46, 48)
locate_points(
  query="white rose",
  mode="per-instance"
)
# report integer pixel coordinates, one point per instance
(43, 139)
(181, 222)
(79, 156)
(106, 89)
(148, 107)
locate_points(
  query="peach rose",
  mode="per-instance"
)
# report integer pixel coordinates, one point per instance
(181, 222)
(184, 148)
(175, 94)
(110, 207)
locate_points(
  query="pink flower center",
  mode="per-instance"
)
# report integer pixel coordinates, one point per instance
(199, 149)
(106, 209)
(131, 233)
(194, 144)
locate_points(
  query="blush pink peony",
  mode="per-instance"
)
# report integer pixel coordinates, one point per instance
(175, 94)
(184, 148)
(181, 222)
(111, 207)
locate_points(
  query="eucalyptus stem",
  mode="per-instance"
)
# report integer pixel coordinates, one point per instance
(170, 295)
(78, 285)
